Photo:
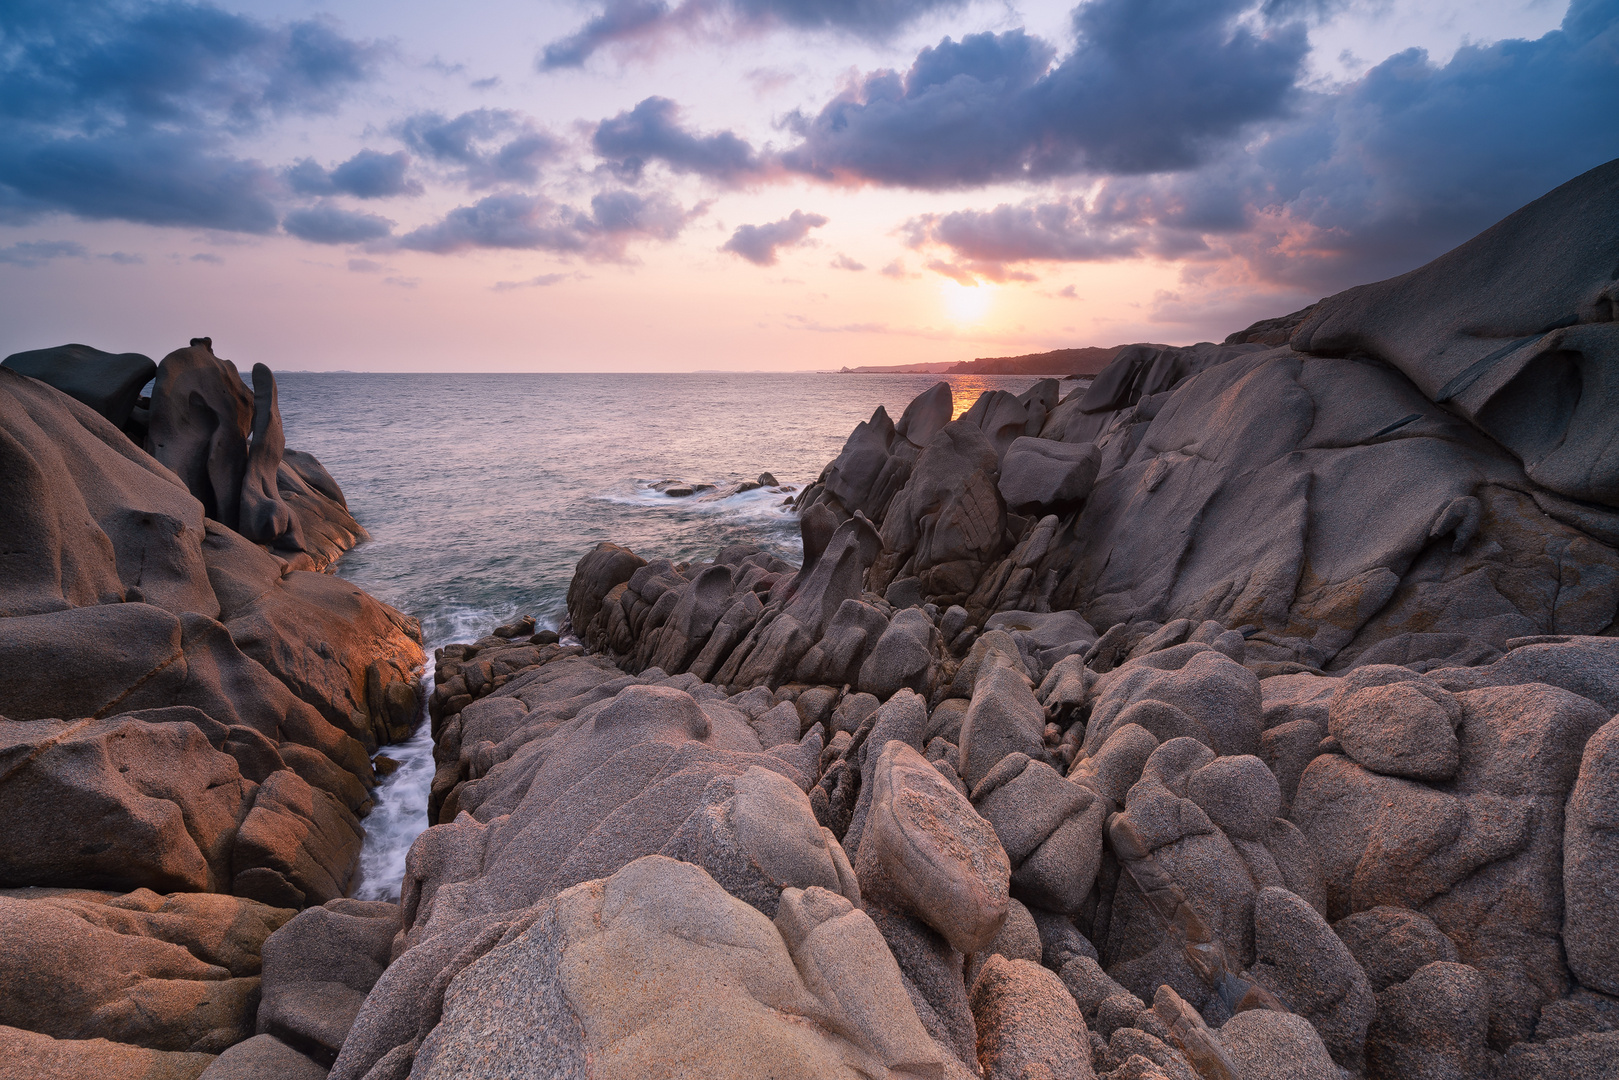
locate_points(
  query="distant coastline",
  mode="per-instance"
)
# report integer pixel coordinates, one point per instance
(1058, 363)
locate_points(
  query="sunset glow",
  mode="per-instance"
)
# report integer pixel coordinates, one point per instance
(538, 186)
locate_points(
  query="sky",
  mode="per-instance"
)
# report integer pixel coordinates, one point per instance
(676, 185)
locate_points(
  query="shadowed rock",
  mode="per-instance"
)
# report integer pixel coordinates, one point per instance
(110, 383)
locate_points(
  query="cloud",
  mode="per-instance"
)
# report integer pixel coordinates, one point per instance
(535, 223)
(325, 224)
(123, 258)
(843, 262)
(623, 21)
(1357, 183)
(620, 20)
(37, 252)
(155, 178)
(364, 266)
(652, 131)
(489, 146)
(539, 281)
(127, 110)
(895, 270)
(1151, 85)
(208, 257)
(759, 243)
(370, 174)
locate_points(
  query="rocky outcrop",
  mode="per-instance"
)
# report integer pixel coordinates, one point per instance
(110, 383)
(1328, 787)
(1328, 795)
(226, 445)
(186, 716)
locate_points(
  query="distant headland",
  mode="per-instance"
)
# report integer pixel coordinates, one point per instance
(1058, 363)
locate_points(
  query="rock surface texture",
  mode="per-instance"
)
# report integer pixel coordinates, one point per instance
(1246, 713)
(187, 713)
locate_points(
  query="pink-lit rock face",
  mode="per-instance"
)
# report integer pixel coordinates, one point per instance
(926, 852)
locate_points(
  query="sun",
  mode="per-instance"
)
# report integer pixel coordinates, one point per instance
(966, 303)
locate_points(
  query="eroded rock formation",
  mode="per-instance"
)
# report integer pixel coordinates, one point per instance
(186, 718)
(1245, 713)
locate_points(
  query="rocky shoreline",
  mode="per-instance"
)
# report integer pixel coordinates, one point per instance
(1247, 713)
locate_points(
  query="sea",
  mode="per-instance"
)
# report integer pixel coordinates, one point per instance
(481, 492)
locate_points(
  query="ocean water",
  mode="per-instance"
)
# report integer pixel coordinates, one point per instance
(482, 491)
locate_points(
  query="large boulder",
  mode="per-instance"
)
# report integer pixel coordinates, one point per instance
(657, 969)
(118, 803)
(26, 1055)
(945, 525)
(110, 383)
(1513, 330)
(89, 516)
(225, 443)
(924, 852)
(318, 969)
(175, 973)
(1041, 474)
(1591, 865)
(1028, 1024)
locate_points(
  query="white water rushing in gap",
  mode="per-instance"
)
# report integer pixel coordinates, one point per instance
(399, 815)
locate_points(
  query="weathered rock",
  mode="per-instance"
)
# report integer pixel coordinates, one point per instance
(1397, 728)
(658, 969)
(1238, 793)
(1391, 943)
(89, 516)
(1591, 865)
(260, 1057)
(110, 383)
(903, 657)
(1300, 959)
(926, 414)
(925, 852)
(1004, 718)
(952, 488)
(1041, 474)
(1269, 1045)
(25, 1055)
(298, 845)
(1028, 1024)
(1431, 1027)
(117, 803)
(1506, 330)
(173, 974)
(317, 971)
(1585, 1056)
(1219, 696)
(1050, 829)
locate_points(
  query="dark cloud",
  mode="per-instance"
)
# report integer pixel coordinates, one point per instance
(152, 177)
(1152, 85)
(631, 20)
(535, 223)
(759, 243)
(652, 131)
(1355, 185)
(488, 146)
(333, 225)
(127, 110)
(620, 20)
(36, 252)
(370, 174)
